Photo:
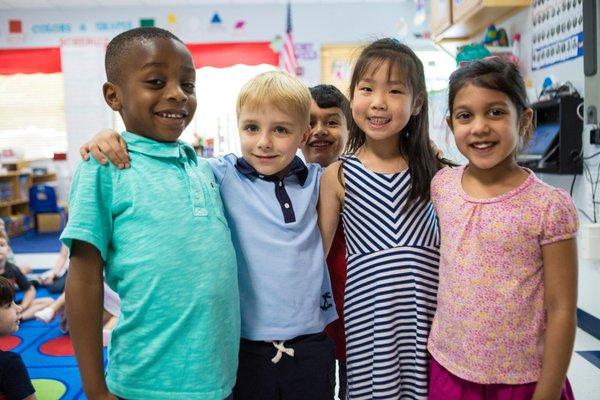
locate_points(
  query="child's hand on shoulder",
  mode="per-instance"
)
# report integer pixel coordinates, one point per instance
(106, 144)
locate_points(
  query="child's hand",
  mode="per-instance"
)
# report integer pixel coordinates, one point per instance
(107, 144)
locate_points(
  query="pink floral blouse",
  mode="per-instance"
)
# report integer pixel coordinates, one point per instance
(490, 321)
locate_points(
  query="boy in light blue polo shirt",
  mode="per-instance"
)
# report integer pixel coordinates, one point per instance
(270, 198)
(159, 233)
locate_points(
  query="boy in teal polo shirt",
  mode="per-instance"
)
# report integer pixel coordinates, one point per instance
(159, 233)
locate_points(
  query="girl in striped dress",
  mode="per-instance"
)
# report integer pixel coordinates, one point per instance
(381, 191)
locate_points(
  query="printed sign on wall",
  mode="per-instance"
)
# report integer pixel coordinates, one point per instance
(557, 32)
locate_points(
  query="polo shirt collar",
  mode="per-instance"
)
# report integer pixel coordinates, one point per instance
(141, 144)
(297, 167)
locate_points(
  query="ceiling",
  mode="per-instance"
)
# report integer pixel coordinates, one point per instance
(71, 4)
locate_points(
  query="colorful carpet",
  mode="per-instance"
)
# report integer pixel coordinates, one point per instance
(49, 357)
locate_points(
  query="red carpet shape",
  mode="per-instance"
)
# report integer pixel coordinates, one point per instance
(60, 346)
(8, 343)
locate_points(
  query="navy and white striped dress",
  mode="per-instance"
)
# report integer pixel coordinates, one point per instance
(391, 286)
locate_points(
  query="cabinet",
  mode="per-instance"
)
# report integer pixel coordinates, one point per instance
(469, 17)
(441, 16)
(14, 201)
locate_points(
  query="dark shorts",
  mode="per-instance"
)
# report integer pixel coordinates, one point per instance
(306, 375)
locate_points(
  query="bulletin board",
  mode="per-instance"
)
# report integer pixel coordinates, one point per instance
(337, 63)
(557, 32)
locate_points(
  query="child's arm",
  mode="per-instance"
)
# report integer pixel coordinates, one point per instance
(560, 299)
(48, 278)
(330, 204)
(84, 294)
(28, 298)
(107, 144)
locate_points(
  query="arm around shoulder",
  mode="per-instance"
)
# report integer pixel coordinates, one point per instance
(331, 197)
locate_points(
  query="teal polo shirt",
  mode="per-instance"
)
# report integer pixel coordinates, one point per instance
(160, 229)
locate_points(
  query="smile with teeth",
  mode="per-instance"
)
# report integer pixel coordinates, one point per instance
(483, 145)
(378, 121)
(320, 143)
(171, 115)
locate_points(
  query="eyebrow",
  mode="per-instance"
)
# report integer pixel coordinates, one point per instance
(253, 121)
(369, 80)
(154, 64)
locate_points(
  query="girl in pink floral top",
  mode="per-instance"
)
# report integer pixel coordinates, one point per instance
(505, 322)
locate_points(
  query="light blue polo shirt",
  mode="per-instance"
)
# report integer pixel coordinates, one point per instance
(284, 285)
(160, 228)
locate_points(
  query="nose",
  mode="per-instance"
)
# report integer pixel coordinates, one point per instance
(320, 129)
(378, 101)
(18, 308)
(175, 93)
(479, 126)
(264, 141)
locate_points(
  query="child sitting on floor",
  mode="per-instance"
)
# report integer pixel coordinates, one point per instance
(14, 379)
(29, 304)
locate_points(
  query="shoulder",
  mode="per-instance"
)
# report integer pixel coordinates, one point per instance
(332, 171)
(221, 165)
(332, 180)
(446, 177)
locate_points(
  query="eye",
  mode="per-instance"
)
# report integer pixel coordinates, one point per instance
(312, 124)
(462, 115)
(364, 89)
(497, 112)
(190, 86)
(252, 128)
(332, 123)
(396, 91)
(156, 82)
(281, 130)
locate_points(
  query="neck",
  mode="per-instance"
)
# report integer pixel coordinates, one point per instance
(388, 149)
(502, 172)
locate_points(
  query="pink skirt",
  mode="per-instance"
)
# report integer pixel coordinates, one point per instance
(443, 385)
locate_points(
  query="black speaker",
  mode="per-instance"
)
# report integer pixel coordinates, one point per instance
(562, 154)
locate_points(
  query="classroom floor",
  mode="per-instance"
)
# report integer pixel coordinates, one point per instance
(59, 377)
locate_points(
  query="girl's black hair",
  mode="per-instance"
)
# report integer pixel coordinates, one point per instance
(7, 292)
(496, 74)
(415, 146)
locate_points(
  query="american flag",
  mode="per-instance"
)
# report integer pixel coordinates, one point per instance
(289, 62)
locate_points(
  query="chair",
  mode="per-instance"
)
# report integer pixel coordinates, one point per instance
(42, 200)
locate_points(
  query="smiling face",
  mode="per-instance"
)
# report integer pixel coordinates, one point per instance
(270, 138)
(156, 96)
(487, 127)
(383, 103)
(327, 137)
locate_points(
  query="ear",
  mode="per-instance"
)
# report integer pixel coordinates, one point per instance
(305, 136)
(111, 96)
(417, 104)
(449, 122)
(526, 121)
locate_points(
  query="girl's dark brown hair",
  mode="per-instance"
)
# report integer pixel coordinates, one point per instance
(7, 292)
(415, 146)
(496, 74)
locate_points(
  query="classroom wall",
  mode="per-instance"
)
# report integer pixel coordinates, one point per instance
(589, 271)
(83, 34)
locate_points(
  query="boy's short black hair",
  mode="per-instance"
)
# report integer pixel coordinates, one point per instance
(327, 96)
(7, 292)
(118, 47)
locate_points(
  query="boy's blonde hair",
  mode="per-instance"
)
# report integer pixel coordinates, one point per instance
(278, 89)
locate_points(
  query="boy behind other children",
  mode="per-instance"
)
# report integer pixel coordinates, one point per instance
(14, 379)
(329, 117)
(159, 231)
